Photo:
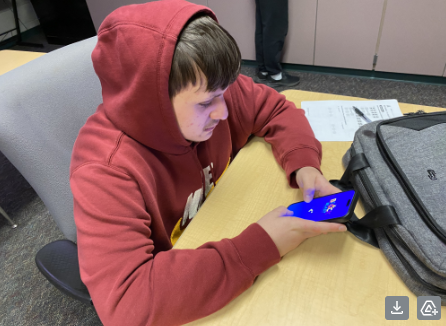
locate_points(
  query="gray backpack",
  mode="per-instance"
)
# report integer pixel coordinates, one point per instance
(398, 166)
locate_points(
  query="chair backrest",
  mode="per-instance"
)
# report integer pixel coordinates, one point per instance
(43, 104)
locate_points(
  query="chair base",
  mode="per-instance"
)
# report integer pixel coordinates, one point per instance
(13, 225)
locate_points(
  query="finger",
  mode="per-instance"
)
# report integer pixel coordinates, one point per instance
(288, 213)
(307, 183)
(309, 194)
(328, 189)
(319, 227)
(309, 188)
(283, 211)
(304, 225)
(332, 227)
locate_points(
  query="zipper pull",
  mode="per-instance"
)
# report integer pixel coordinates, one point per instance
(419, 112)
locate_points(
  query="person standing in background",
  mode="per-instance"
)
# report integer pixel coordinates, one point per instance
(271, 30)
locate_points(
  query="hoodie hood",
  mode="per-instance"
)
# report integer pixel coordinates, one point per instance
(132, 59)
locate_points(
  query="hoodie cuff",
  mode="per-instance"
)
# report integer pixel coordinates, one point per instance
(300, 158)
(257, 250)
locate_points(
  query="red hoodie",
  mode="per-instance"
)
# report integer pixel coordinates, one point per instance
(136, 180)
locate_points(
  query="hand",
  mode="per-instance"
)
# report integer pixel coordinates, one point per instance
(288, 231)
(313, 183)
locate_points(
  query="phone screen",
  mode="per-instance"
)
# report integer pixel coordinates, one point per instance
(324, 208)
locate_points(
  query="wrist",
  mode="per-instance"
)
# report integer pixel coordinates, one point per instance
(307, 168)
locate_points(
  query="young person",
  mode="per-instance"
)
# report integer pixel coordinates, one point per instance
(271, 31)
(175, 112)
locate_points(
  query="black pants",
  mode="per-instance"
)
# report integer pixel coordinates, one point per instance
(271, 30)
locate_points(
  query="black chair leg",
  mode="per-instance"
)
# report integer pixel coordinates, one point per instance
(13, 225)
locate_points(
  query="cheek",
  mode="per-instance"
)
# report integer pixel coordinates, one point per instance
(196, 120)
(186, 121)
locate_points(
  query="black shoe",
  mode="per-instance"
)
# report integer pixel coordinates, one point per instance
(260, 78)
(287, 81)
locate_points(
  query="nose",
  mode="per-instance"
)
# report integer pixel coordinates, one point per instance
(221, 110)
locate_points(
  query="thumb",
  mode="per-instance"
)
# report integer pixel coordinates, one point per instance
(287, 213)
(308, 194)
(283, 211)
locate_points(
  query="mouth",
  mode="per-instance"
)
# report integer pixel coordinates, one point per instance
(211, 128)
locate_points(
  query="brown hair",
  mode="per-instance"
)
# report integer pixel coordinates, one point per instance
(204, 48)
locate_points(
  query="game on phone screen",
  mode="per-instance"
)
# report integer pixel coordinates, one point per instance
(324, 208)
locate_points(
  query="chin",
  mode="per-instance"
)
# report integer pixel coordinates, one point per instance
(203, 138)
(206, 137)
(198, 139)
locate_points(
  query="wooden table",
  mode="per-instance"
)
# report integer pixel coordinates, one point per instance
(11, 59)
(332, 279)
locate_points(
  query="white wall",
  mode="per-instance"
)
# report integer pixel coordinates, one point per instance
(101, 9)
(27, 17)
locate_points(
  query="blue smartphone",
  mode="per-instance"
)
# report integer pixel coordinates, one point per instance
(337, 208)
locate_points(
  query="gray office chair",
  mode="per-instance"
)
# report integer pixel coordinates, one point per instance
(43, 104)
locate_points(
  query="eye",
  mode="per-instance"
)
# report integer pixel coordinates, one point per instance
(205, 105)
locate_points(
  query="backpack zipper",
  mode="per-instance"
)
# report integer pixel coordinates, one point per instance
(405, 184)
